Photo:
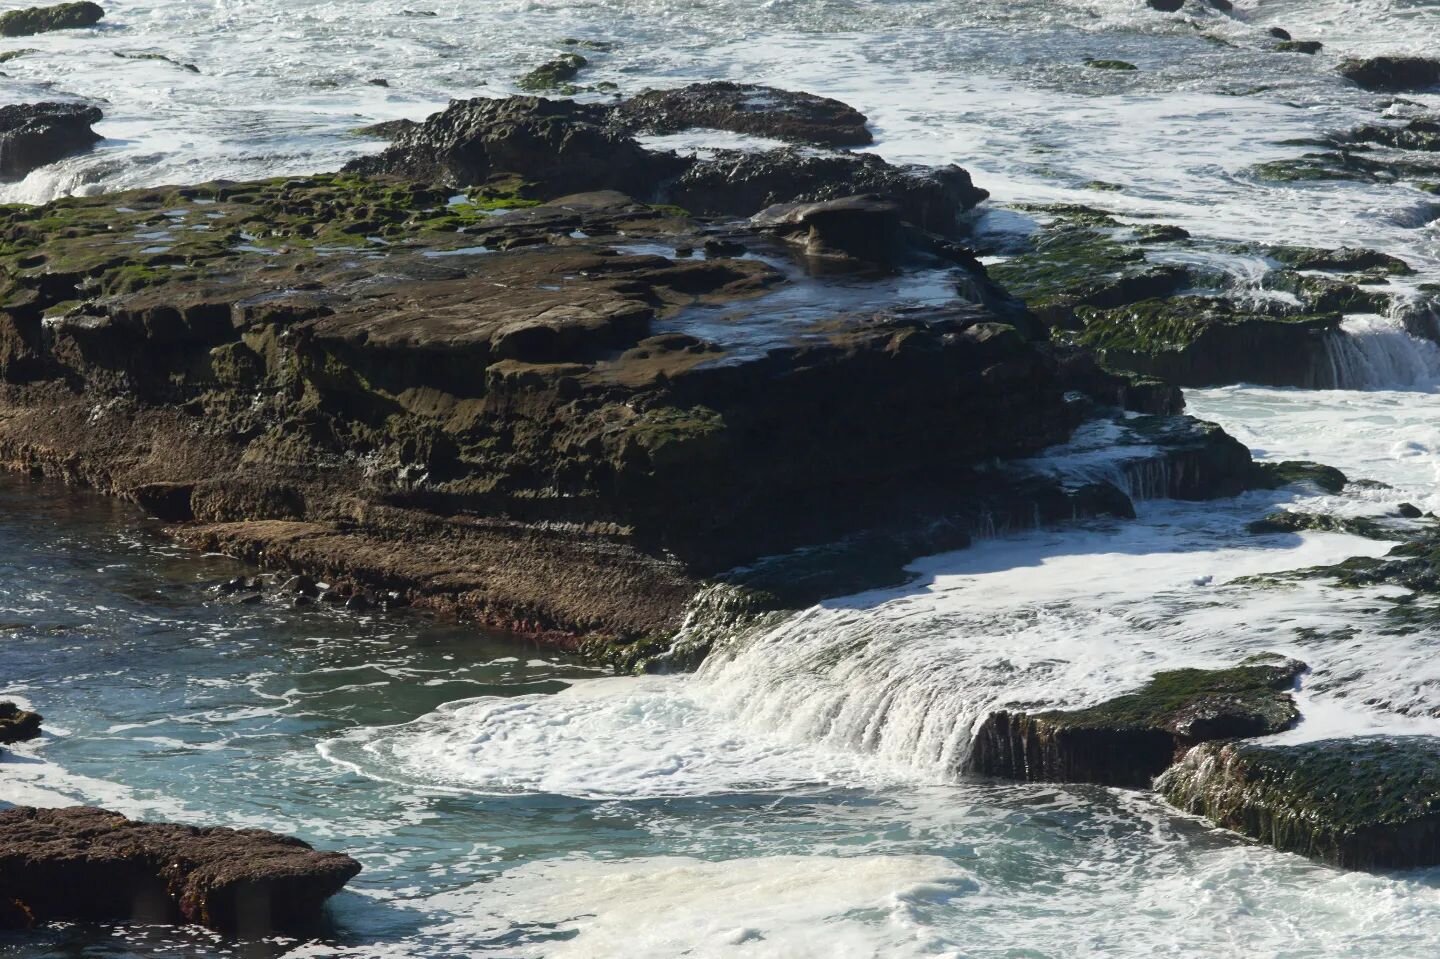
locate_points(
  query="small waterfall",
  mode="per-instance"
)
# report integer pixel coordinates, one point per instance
(1373, 352)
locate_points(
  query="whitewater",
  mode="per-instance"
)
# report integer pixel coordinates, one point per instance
(798, 795)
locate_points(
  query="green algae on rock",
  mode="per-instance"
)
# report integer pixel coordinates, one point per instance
(1276, 475)
(64, 16)
(1204, 341)
(1130, 740)
(554, 76)
(1370, 802)
(1286, 521)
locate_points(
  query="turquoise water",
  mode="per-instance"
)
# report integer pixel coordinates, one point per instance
(162, 701)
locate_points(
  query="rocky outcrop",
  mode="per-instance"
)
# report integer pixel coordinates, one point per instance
(545, 149)
(738, 183)
(532, 421)
(1393, 73)
(18, 725)
(90, 865)
(1130, 740)
(1366, 803)
(746, 108)
(1198, 341)
(64, 16)
(549, 147)
(33, 135)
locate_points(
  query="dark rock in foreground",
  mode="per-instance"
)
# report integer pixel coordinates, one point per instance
(33, 135)
(1130, 740)
(1365, 803)
(1393, 74)
(747, 108)
(64, 16)
(18, 725)
(90, 865)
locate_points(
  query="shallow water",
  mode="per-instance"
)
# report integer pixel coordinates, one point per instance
(798, 796)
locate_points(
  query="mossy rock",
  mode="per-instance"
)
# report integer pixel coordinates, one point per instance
(1129, 740)
(1346, 259)
(1204, 341)
(1371, 802)
(1284, 521)
(554, 76)
(64, 16)
(1123, 66)
(1327, 479)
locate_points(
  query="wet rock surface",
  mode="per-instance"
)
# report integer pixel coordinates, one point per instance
(747, 108)
(18, 725)
(64, 16)
(33, 135)
(550, 148)
(1130, 740)
(437, 379)
(1396, 74)
(1370, 802)
(86, 864)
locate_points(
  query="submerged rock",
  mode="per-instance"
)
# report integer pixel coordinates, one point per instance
(18, 725)
(90, 865)
(1130, 740)
(1365, 803)
(1393, 73)
(747, 108)
(33, 135)
(64, 16)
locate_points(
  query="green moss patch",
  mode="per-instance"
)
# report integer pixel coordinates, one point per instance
(1368, 802)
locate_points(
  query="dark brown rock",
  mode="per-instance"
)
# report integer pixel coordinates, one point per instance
(86, 864)
(18, 725)
(33, 135)
(741, 184)
(557, 146)
(746, 108)
(1393, 73)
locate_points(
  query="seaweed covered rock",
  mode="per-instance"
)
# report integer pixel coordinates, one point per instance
(746, 108)
(525, 413)
(1416, 133)
(1393, 74)
(1085, 258)
(64, 16)
(554, 76)
(1288, 521)
(33, 135)
(1366, 803)
(1277, 475)
(85, 864)
(18, 725)
(1203, 341)
(1348, 259)
(1130, 740)
(554, 147)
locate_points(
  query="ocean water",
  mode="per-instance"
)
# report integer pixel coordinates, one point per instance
(797, 796)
